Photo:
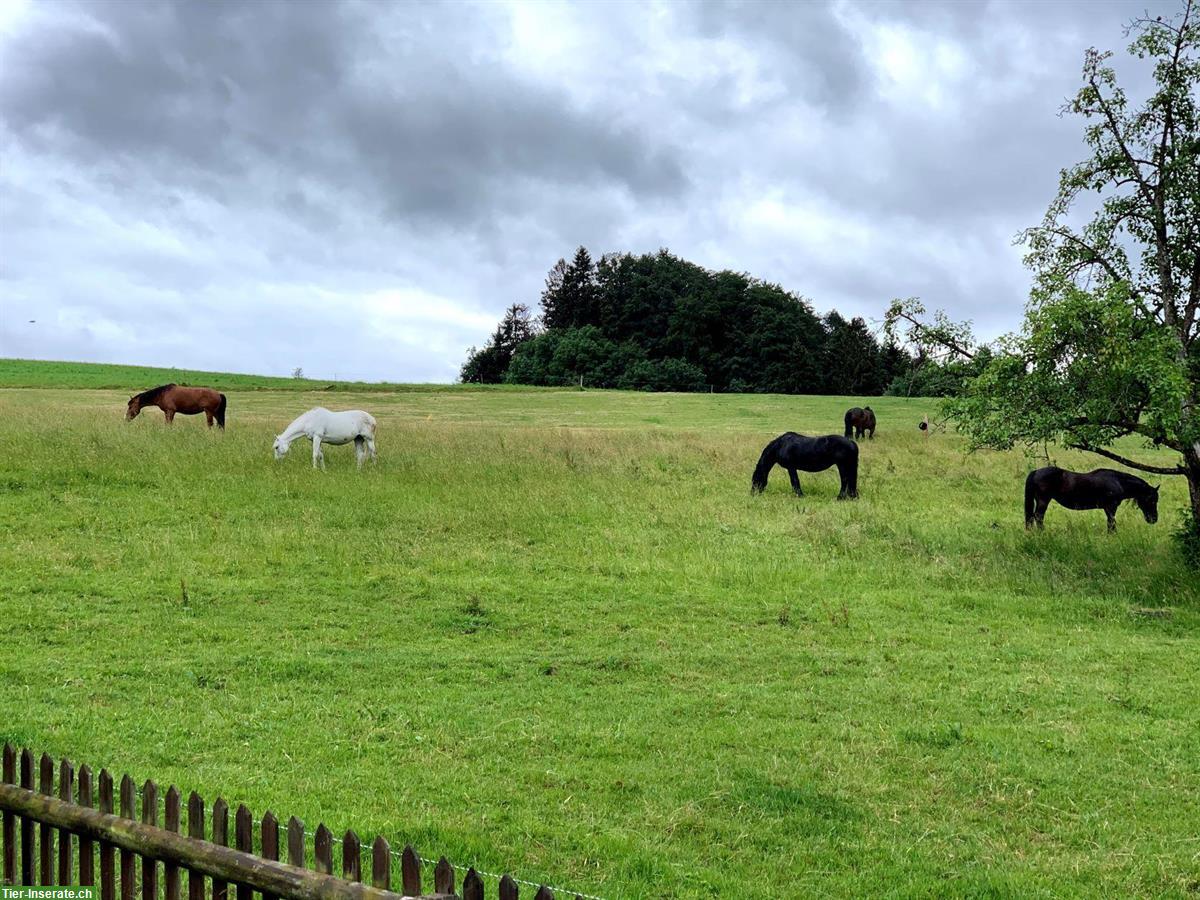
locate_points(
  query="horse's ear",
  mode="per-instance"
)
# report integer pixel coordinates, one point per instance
(1157, 486)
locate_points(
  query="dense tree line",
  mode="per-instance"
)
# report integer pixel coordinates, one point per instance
(658, 322)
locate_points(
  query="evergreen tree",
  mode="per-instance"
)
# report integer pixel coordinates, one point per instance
(569, 299)
(853, 362)
(490, 364)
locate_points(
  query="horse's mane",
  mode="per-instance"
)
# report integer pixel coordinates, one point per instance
(1138, 485)
(153, 394)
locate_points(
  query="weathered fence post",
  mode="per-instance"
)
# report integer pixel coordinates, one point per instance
(26, 823)
(381, 864)
(149, 817)
(195, 830)
(128, 876)
(46, 786)
(220, 835)
(270, 842)
(66, 791)
(171, 823)
(10, 821)
(296, 843)
(472, 885)
(351, 857)
(443, 877)
(107, 853)
(243, 827)
(323, 850)
(87, 851)
(410, 872)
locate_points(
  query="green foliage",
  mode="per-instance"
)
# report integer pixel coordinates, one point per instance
(1187, 536)
(489, 364)
(930, 380)
(662, 323)
(662, 375)
(1086, 369)
(562, 356)
(570, 297)
(853, 361)
(933, 338)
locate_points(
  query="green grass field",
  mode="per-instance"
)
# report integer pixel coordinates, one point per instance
(552, 633)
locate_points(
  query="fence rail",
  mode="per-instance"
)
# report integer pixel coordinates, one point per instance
(86, 820)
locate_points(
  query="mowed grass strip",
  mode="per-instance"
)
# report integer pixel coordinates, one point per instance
(552, 633)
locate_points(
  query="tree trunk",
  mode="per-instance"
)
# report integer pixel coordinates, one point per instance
(1191, 462)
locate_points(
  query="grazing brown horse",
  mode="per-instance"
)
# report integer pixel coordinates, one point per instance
(1102, 489)
(859, 421)
(171, 399)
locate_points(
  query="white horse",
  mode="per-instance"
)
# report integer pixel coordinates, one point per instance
(324, 427)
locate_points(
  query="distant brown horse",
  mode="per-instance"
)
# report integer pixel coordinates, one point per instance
(171, 399)
(859, 421)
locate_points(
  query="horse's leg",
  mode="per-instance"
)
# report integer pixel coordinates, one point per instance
(371, 448)
(795, 482)
(847, 471)
(1111, 513)
(318, 456)
(1039, 514)
(170, 415)
(208, 415)
(359, 451)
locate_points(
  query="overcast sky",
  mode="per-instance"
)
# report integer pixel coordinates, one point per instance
(361, 188)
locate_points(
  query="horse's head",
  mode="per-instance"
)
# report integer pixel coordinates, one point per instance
(1148, 504)
(281, 447)
(134, 407)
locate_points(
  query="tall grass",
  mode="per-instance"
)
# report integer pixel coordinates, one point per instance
(554, 633)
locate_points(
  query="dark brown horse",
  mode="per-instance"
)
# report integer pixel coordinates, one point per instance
(1099, 489)
(808, 454)
(171, 399)
(859, 421)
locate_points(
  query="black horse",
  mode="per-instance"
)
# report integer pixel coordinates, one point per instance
(860, 421)
(1100, 489)
(809, 454)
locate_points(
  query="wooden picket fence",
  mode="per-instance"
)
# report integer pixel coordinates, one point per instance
(84, 820)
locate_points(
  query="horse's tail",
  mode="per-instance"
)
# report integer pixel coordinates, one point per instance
(849, 423)
(770, 456)
(219, 415)
(1029, 498)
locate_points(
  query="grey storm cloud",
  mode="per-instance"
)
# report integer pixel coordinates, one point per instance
(814, 51)
(360, 188)
(219, 91)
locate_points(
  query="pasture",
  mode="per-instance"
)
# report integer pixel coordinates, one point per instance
(552, 632)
